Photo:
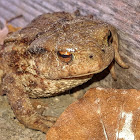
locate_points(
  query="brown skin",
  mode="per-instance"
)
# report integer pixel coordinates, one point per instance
(54, 53)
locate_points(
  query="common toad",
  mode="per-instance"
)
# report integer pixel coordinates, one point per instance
(55, 52)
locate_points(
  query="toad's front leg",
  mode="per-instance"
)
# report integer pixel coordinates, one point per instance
(22, 107)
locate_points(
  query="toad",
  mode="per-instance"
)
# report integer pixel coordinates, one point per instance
(55, 52)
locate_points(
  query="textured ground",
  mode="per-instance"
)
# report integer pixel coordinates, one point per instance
(123, 14)
(11, 129)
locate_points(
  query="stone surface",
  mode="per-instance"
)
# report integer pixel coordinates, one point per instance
(101, 114)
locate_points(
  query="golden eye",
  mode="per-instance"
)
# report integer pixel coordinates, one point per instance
(109, 38)
(64, 56)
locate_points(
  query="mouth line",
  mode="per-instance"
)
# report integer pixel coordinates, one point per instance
(87, 74)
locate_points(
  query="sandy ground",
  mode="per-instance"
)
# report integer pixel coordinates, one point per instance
(11, 129)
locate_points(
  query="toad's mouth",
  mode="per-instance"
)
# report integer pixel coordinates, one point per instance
(88, 75)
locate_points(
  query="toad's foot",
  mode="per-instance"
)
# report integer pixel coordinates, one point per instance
(37, 122)
(115, 44)
(22, 107)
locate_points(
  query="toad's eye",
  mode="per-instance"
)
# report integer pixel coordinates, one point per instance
(109, 38)
(64, 56)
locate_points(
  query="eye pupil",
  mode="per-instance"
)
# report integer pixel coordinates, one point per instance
(64, 56)
(109, 38)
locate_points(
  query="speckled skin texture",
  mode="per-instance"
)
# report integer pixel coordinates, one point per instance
(54, 53)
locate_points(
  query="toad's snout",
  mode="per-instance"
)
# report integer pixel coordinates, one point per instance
(86, 63)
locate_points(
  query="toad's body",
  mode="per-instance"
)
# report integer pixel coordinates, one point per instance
(54, 53)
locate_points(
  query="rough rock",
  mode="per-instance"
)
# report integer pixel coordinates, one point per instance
(101, 114)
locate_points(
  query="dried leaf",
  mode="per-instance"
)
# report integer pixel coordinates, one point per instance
(11, 28)
(102, 114)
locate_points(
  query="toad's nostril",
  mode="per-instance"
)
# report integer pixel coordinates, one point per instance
(91, 56)
(103, 50)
